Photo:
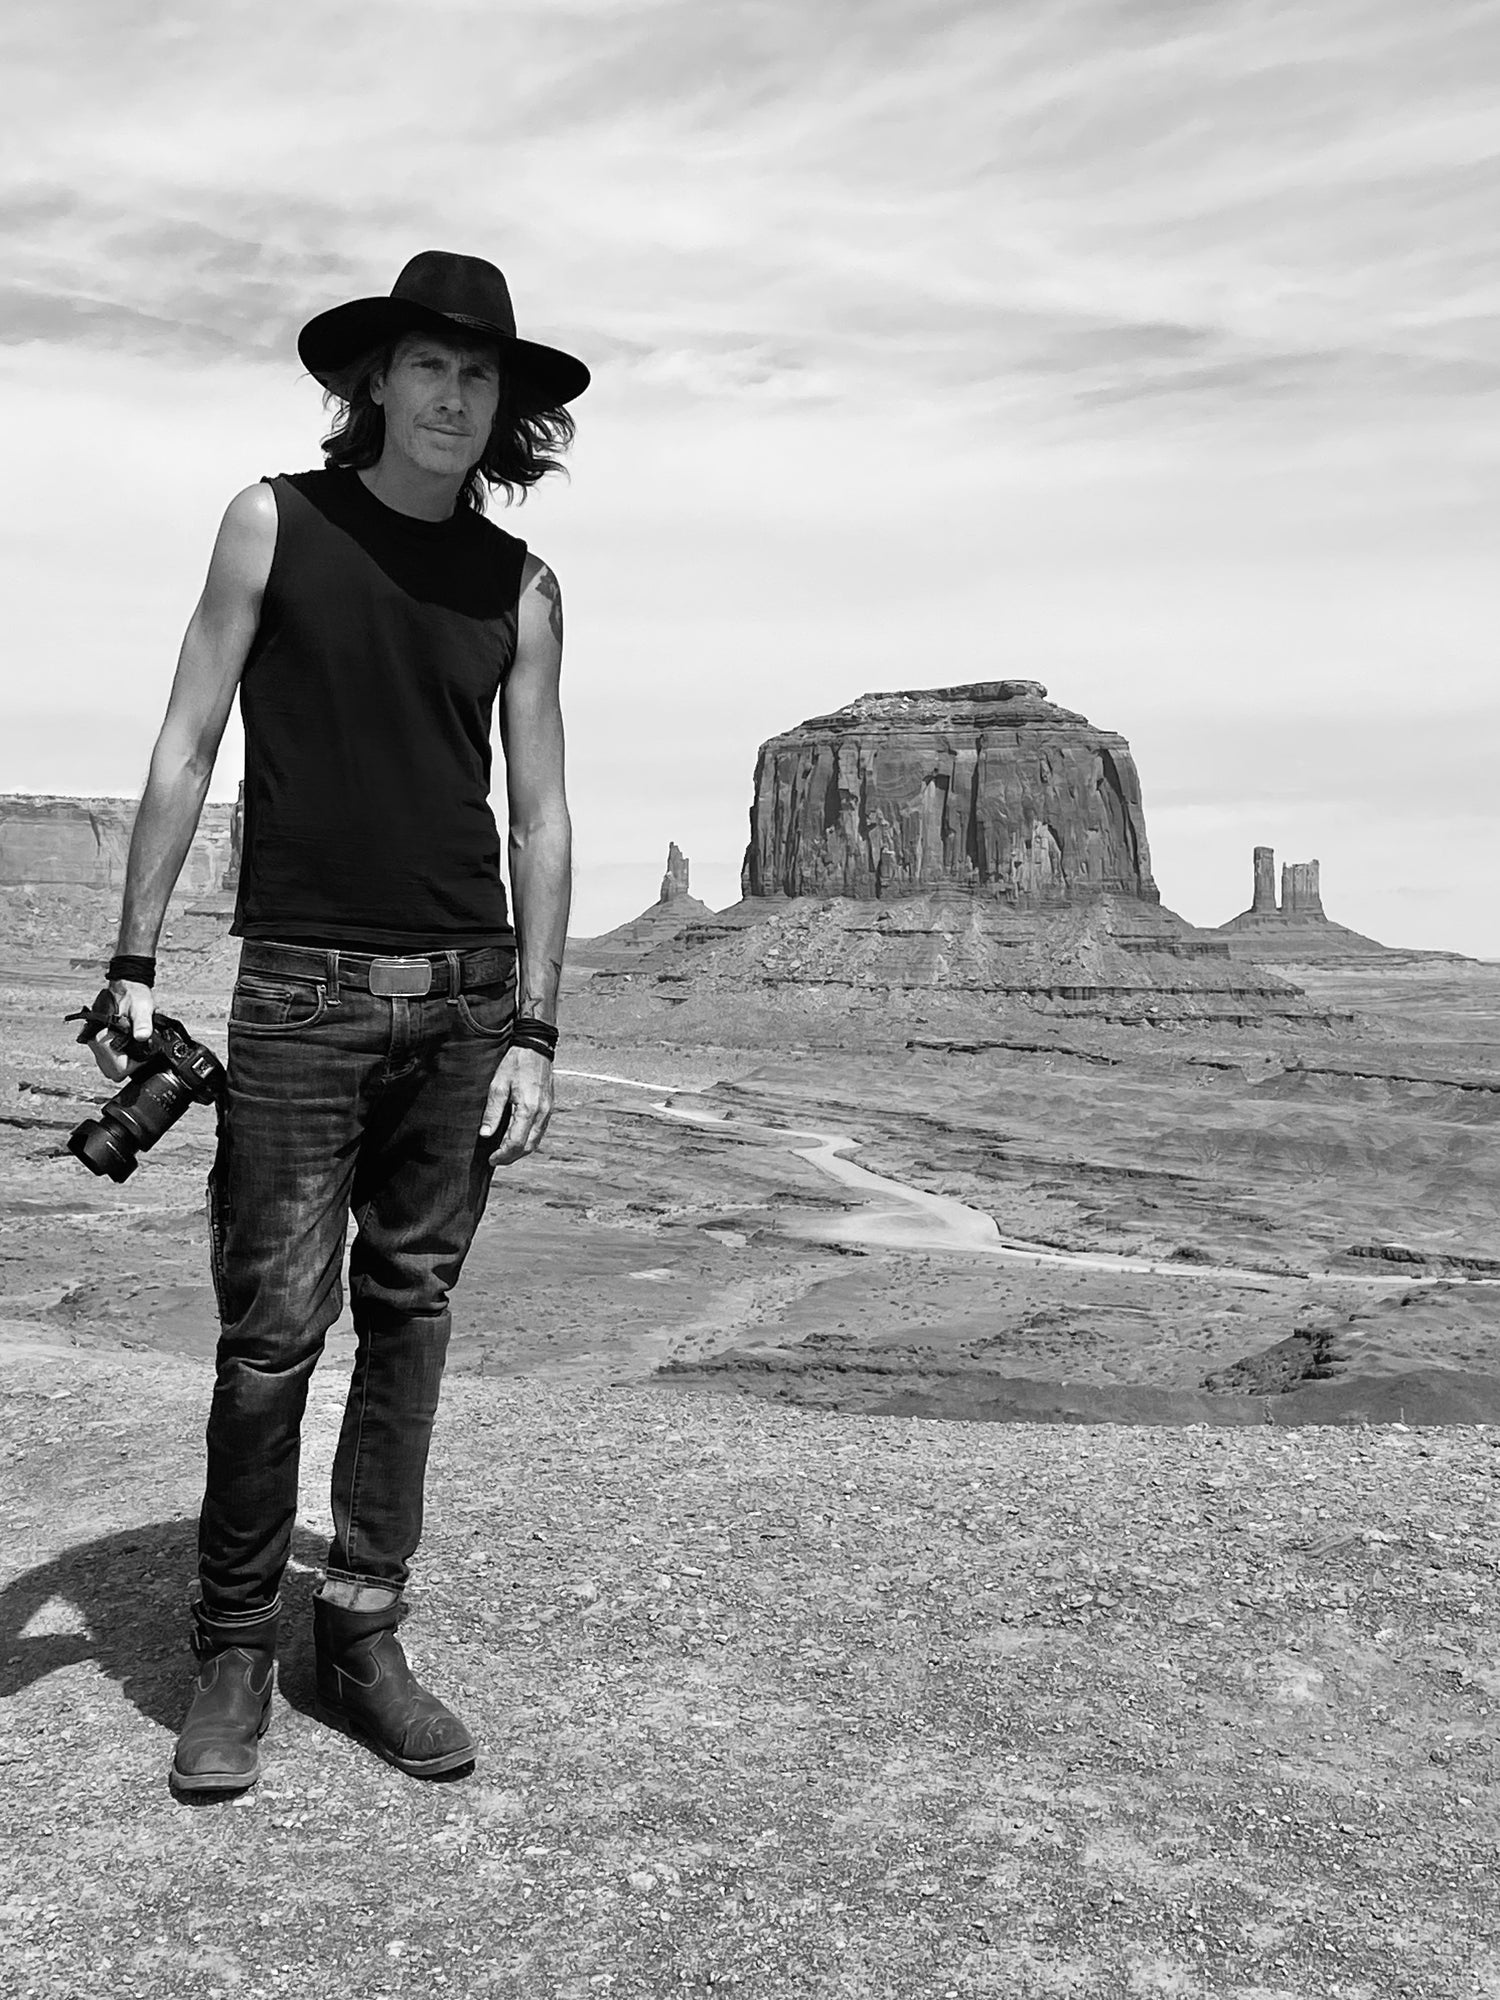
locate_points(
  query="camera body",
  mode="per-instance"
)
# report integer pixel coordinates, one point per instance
(176, 1072)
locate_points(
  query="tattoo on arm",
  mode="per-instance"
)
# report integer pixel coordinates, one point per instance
(539, 996)
(548, 585)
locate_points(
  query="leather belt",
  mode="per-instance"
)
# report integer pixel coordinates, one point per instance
(397, 976)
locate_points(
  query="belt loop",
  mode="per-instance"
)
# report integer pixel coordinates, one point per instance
(333, 979)
(455, 977)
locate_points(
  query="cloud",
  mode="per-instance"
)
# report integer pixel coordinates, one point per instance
(1145, 346)
(1081, 202)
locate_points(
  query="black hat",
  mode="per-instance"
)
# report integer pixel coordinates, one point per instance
(440, 292)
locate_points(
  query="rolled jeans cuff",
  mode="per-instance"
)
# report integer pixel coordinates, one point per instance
(215, 1630)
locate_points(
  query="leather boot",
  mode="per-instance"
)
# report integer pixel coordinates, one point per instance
(219, 1748)
(366, 1688)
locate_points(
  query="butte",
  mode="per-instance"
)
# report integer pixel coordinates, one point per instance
(938, 858)
(1298, 931)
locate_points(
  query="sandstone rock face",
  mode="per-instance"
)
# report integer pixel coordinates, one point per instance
(1301, 895)
(989, 789)
(50, 840)
(1263, 902)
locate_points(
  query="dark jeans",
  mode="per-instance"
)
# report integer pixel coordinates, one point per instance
(339, 1100)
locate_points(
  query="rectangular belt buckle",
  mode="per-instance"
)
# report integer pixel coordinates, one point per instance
(400, 978)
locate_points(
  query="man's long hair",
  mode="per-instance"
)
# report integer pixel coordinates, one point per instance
(522, 443)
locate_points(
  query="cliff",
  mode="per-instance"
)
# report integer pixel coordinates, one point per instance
(47, 841)
(990, 788)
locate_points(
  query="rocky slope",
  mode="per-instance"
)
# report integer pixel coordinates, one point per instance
(948, 960)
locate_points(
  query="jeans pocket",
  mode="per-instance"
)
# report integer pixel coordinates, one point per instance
(489, 1013)
(264, 1005)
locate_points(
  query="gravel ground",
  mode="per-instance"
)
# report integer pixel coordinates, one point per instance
(774, 1703)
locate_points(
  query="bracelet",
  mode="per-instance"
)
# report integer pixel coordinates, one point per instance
(529, 1031)
(137, 967)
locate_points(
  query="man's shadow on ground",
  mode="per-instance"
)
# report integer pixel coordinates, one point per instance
(129, 1590)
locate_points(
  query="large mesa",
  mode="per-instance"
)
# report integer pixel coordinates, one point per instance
(991, 789)
(931, 857)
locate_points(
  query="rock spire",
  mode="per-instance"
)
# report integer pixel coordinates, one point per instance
(675, 882)
(1298, 931)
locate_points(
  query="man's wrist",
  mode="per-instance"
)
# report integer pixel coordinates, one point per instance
(530, 1031)
(138, 967)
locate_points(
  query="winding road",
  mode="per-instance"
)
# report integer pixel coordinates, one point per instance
(896, 1216)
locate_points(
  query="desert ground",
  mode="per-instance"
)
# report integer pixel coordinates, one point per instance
(1069, 1218)
(918, 1513)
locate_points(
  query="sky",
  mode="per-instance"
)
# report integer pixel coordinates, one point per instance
(1145, 348)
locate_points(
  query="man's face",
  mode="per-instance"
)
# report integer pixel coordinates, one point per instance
(439, 398)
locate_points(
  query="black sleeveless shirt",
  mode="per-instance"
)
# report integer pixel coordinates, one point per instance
(367, 697)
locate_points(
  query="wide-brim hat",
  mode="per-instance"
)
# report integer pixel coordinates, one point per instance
(441, 292)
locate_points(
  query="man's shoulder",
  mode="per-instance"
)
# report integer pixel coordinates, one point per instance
(535, 566)
(252, 511)
(246, 541)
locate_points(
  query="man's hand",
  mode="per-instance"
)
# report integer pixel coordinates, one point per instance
(133, 1012)
(519, 1107)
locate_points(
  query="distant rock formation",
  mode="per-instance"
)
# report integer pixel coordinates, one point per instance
(962, 955)
(991, 789)
(674, 883)
(50, 840)
(931, 857)
(626, 945)
(1300, 892)
(1263, 901)
(1298, 932)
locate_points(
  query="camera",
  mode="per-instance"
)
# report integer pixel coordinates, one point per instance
(176, 1072)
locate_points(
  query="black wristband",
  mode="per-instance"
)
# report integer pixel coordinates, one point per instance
(529, 1031)
(139, 969)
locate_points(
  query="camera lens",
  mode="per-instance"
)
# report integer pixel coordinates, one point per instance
(150, 1104)
(99, 1147)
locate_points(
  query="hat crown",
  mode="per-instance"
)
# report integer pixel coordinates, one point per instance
(467, 289)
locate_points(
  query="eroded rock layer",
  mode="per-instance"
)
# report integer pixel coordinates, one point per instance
(46, 840)
(991, 789)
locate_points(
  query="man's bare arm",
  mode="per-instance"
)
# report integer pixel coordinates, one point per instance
(541, 855)
(213, 655)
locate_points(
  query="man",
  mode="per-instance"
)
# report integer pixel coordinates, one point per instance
(384, 1054)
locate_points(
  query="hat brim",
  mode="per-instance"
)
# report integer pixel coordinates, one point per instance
(543, 377)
